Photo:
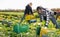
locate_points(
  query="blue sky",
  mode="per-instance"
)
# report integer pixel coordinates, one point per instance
(20, 4)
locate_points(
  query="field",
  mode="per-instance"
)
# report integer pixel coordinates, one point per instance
(11, 19)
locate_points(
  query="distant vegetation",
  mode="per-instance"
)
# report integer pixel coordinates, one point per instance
(12, 10)
(19, 10)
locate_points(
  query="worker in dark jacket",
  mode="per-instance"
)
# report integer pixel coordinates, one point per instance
(28, 11)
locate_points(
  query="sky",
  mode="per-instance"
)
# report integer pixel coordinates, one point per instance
(20, 4)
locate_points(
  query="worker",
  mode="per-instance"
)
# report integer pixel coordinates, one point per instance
(28, 11)
(46, 15)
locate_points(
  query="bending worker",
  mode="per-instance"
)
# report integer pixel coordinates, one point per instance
(46, 15)
(28, 11)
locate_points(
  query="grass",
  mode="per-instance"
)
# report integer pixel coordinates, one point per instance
(31, 32)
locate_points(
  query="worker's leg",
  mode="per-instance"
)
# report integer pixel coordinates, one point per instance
(54, 21)
(41, 18)
(47, 21)
(58, 14)
(22, 18)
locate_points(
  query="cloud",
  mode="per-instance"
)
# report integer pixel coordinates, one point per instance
(20, 4)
